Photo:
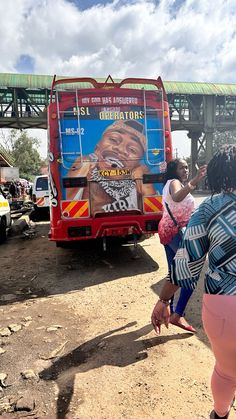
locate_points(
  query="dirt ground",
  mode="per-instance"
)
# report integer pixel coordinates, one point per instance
(79, 342)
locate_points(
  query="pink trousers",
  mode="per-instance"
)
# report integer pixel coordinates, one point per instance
(219, 321)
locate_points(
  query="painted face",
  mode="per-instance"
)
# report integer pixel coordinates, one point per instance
(182, 170)
(118, 150)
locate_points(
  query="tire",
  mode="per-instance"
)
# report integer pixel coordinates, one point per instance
(63, 245)
(33, 216)
(130, 238)
(40, 215)
(3, 230)
(66, 244)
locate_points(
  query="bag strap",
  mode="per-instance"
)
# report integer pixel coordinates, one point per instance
(171, 215)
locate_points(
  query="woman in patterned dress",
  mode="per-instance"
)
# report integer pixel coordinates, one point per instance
(181, 204)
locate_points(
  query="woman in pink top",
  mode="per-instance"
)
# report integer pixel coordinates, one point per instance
(181, 204)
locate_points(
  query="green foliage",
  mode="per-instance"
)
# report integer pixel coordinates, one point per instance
(23, 149)
(221, 138)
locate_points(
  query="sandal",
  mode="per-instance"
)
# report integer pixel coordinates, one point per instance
(176, 321)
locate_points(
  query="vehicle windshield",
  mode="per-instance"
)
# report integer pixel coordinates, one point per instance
(42, 184)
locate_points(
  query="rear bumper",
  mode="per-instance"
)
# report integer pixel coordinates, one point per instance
(92, 228)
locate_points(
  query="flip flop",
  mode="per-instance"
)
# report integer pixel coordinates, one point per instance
(188, 327)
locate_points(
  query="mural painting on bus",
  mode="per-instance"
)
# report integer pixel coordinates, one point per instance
(114, 162)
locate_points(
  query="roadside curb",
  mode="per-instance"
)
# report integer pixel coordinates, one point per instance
(19, 225)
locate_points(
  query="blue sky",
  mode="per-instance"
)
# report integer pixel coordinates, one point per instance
(185, 40)
(86, 4)
(25, 64)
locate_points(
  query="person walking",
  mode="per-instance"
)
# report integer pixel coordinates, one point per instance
(178, 206)
(212, 231)
(13, 190)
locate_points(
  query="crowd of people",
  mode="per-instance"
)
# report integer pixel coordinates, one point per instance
(18, 188)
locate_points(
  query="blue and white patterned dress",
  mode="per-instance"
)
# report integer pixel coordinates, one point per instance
(211, 230)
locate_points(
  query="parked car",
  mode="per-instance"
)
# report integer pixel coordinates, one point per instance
(40, 198)
(5, 216)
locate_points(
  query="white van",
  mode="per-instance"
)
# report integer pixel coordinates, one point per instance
(40, 197)
(5, 216)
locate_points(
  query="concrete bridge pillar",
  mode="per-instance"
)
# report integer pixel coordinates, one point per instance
(208, 139)
(209, 112)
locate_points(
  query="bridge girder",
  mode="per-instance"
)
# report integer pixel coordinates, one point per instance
(198, 114)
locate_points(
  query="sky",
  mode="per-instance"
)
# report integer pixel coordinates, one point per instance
(181, 40)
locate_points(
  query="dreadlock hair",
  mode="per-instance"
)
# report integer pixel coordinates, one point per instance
(221, 170)
(171, 171)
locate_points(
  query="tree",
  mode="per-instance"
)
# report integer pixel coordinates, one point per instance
(221, 138)
(23, 149)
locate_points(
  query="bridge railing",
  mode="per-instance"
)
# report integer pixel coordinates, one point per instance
(26, 108)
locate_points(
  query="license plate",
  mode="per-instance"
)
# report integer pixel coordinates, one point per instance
(114, 172)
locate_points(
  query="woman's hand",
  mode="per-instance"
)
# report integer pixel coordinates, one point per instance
(160, 315)
(200, 175)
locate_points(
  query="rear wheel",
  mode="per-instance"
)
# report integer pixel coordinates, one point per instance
(3, 230)
(33, 216)
(63, 245)
(40, 214)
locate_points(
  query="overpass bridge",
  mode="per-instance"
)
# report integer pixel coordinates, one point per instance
(199, 108)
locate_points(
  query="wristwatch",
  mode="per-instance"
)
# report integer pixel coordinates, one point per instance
(166, 302)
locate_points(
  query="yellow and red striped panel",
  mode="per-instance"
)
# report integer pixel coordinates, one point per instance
(40, 202)
(75, 209)
(152, 204)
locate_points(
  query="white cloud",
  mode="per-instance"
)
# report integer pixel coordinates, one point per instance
(181, 144)
(176, 39)
(185, 40)
(41, 135)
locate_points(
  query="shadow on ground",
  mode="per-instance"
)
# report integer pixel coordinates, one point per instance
(194, 307)
(32, 268)
(111, 348)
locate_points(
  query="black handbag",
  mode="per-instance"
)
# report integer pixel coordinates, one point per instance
(181, 230)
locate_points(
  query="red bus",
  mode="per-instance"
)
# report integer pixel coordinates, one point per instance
(109, 143)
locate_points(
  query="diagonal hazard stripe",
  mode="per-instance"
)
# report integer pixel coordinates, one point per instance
(69, 206)
(75, 209)
(152, 203)
(40, 201)
(82, 211)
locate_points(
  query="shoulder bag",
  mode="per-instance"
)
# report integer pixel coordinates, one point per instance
(181, 230)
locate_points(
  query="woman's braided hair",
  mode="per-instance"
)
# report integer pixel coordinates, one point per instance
(221, 170)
